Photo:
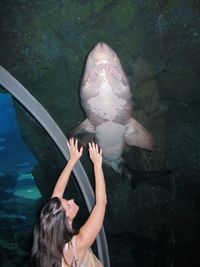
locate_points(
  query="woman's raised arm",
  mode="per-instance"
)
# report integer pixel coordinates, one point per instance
(62, 181)
(89, 231)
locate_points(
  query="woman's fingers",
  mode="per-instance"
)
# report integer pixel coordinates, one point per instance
(81, 150)
(76, 144)
(68, 145)
(94, 149)
(73, 145)
(100, 152)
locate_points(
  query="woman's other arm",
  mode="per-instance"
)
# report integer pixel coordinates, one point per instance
(89, 231)
(63, 179)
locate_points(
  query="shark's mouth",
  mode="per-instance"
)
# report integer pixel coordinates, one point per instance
(104, 67)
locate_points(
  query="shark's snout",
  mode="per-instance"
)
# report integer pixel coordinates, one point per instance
(101, 46)
(102, 53)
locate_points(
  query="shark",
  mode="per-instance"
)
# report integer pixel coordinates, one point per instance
(106, 99)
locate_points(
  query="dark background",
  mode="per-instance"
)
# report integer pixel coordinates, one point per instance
(152, 220)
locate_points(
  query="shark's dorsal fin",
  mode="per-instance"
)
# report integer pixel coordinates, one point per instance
(137, 135)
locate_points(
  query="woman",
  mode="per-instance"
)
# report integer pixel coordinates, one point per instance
(55, 243)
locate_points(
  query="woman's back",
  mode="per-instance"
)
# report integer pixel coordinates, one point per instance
(86, 259)
(71, 257)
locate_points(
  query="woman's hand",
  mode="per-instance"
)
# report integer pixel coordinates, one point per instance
(75, 154)
(62, 181)
(95, 154)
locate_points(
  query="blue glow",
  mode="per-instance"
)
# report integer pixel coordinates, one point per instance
(14, 154)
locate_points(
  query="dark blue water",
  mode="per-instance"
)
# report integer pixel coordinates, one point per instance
(14, 153)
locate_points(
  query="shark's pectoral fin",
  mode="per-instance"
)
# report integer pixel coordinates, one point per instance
(84, 132)
(137, 135)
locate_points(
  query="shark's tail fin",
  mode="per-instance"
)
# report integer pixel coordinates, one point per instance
(135, 177)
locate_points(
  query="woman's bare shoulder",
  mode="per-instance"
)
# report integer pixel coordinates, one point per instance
(74, 251)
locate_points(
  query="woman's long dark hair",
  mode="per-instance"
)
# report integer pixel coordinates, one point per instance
(50, 235)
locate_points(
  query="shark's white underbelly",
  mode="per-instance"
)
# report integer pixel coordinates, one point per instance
(110, 137)
(106, 104)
